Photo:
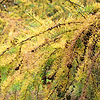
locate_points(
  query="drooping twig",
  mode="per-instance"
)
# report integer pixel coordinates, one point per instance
(29, 38)
(88, 75)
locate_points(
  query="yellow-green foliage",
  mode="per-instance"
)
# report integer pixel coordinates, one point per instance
(49, 50)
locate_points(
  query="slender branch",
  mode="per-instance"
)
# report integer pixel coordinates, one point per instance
(88, 75)
(74, 3)
(29, 38)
